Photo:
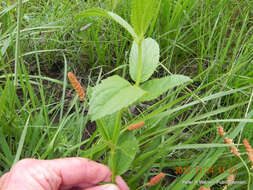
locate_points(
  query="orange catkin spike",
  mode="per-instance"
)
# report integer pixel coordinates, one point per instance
(154, 180)
(228, 141)
(76, 85)
(203, 188)
(221, 132)
(232, 148)
(249, 150)
(136, 126)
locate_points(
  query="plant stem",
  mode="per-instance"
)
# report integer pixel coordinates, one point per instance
(116, 128)
(139, 44)
(249, 177)
(17, 48)
(86, 101)
(142, 186)
(113, 164)
(112, 3)
(115, 137)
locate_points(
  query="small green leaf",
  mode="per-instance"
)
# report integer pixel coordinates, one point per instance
(127, 148)
(111, 95)
(108, 14)
(156, 87)
(143, 12)
(150, 59)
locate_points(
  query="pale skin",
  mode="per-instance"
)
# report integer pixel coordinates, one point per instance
(60, 174)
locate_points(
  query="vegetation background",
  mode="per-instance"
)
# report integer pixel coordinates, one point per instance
(210, 41)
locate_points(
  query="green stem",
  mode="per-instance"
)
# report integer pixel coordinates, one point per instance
(249, 177)
(17, 48)
(112, 4)
(86, 101)
(139, 66)
(116, 128)
(142, 186)
(114, 144)
(103, 130)
(113, 164)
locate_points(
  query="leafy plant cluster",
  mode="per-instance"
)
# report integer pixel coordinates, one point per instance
(114, 94)
(211, 41)
(111, 98)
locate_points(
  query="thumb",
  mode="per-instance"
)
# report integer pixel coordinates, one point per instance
(104, 187)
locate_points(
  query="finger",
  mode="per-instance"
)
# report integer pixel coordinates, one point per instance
(80, 170)
(77, 186)
(121, 183)
(104, 187)
(33, 174)
(3, 180)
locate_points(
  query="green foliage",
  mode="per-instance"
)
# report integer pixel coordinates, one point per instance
(150, 59)
(113, 94)
(211, 41)
(143, 11)
(126, 150)
(108, 14)
(156, 87)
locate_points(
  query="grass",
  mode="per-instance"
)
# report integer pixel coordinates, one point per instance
(210, 41)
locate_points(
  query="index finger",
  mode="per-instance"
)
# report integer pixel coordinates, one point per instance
(80, 170)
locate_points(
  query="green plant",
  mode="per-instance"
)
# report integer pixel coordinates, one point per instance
(211, 41)
(115, 94)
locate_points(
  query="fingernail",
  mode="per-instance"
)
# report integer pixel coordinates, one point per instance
(110, 187)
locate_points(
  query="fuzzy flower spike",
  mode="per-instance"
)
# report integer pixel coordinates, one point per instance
(154, 180)
(249, 150)
(233, 149)
(135, 126)
(76, 85)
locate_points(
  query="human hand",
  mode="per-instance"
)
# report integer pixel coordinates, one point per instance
(59, 174)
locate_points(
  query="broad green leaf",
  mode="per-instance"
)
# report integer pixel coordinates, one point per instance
(108, 14)
(150, 59)
(111, 95)
(126, 150)
(143, 11)
(156, 87)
